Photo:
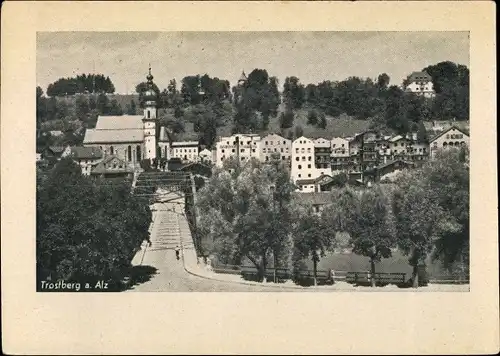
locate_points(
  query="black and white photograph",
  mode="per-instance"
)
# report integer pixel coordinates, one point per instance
(318, 161)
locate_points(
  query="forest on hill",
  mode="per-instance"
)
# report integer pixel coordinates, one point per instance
(201, 107)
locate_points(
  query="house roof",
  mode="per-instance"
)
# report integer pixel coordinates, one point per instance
(314, 198)
(119, 122)
(113, 136)
(100, 168)
(321, 142)
(57, 149)
(389, 163)
(86, 152)
(272, 136)
(305, 181)
(185, 143)
(396, 138)
(419, 76)
(447, 130)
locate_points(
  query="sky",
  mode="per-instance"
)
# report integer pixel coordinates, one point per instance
(310, 56)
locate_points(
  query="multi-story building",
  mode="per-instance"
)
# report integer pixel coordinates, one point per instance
(339, 154)
(187, 151)
(242, 147)
(275, 145)
(420, 83)
(322, 152)
(303, 159)
(452, 137)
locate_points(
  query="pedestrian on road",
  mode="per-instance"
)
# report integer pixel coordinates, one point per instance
(177, 251)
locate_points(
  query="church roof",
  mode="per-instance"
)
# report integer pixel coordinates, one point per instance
(85, 152)
(116, 129)
(243, 77)
(113, 136)
(119, 122)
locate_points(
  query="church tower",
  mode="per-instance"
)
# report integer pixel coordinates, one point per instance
(149, 119)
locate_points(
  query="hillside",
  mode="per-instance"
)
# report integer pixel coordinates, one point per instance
(342, 125)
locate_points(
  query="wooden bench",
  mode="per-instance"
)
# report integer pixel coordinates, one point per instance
(381, 278)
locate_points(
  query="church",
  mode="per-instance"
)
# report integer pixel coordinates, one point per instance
(132, 138)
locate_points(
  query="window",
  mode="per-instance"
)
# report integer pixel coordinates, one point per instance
(284, 142)
(138, 152)
(299, 167)
(283, 158)
(447, 136)
(309, 150)
(242, 150)
(129, 153)
(296, 150)
(253, 149)
(266, 143)
(111, 150)
(302, 150)
(281, 150)
(233, 150)
(297, 159)
(395, 145)
(222, 151)
(308, 166)
(267, 158)
(309, 175)
(309, 158)
(300, 175)
(275, 150)
(303, 158)
(445, 144)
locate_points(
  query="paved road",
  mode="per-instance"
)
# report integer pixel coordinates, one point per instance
(171, 275)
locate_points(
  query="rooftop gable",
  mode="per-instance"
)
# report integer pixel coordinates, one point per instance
(448, 130)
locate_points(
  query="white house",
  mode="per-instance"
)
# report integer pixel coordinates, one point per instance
(241, 146)
(420, 83)
(452, 137)
(187, 151)
(273, 144)
(303, 159)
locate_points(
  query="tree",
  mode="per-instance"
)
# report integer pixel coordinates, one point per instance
(322, 121)
(431, 209)
(299, 132)
(86, 231)
(246, 212)
(286, 118)
(312, 237)
(372, 234)
(312, 117)
(422, 136)
(293, 92)
(190, 89)
(132, 108)
(383, 81)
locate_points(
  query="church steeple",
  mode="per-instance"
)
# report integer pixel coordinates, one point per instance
(243, 78)
(150, 98)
